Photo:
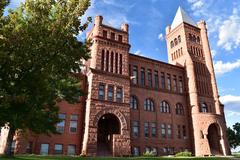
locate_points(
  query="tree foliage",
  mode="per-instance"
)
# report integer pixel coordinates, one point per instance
(38, 51)
(234, 135)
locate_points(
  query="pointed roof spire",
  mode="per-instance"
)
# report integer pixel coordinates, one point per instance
(181, 17)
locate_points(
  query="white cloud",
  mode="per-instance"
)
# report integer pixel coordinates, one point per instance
(214, 52)
(221, 68)
(138, 52)
(161, 37)
(229, 32)
(230, 99)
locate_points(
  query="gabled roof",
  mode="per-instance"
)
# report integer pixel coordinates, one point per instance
(181, 17)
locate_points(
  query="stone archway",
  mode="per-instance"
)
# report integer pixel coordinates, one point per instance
(113, 136)
(214, 137)
(108, 125)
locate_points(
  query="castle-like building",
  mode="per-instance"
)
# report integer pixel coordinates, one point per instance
(136, 104)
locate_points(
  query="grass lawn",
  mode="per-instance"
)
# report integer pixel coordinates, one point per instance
(36, 157)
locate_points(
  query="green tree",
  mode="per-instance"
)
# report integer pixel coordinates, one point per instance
(234, 135)
(40, 57)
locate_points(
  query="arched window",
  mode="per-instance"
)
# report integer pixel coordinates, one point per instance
(164, 107)
(172, 44)
(194, 38)
(133, 102)
(198, 39)
(149, 105)
(179, 39)
(190, 36)
(175, 41)
(179, 109)
(204, 108)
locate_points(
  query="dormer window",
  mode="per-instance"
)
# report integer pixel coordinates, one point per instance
(104, 34)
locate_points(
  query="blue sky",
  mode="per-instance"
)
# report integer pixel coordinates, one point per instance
(148, 18)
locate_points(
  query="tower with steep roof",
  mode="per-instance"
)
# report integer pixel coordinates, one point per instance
(188, 46)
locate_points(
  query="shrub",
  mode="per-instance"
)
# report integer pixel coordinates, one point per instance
(149, 154)
(184, 154)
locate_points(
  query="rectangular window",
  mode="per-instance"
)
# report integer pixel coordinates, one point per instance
(102, 60)
(149, 73)
(119, 95)
(163, 130)
(135, 151)
(120, 64)
(169, 82)
(154, 130)
(116, 62)
(135, 128)
(156, 85)
(101, 92)
(179, 131)
(44, 149)
(146, 129)
(104, 33)
(111, 62)
(107, 62)
(58, 148)
(60, 126)
(113, 36)
(135, 75)
(120, 38)
(73, 123)
(154, 151)
(142, 77)
(169, 127)
(184, 132)
(71, 149)
(163, 80)
(175, 83)
(110, 92)
(180, 85)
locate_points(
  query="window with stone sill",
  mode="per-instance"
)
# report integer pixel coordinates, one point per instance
(163, 131)
(149, 105)
(169, 82)
(110, 92)
(146, 129)
(175, 83)
(142, 76)
(163, 80)
(101, 92)
(149, 75)
(154, 129)
(73, 126)
(179, 109)
(61, 125)
(119, 95)
(58, 149)
(164, 107)
(204, 108)
(135, 75)
(133, 102)
(44, 149)
(156, 82)
(135, 128)
(104, 33)
(71, 149)
(120, 38)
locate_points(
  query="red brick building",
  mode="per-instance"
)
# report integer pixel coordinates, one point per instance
(136, 104)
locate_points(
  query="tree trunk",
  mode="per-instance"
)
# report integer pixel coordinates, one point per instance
(8, 148)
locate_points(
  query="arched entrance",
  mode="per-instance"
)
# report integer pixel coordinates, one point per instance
(108, 125)
(214, 139)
